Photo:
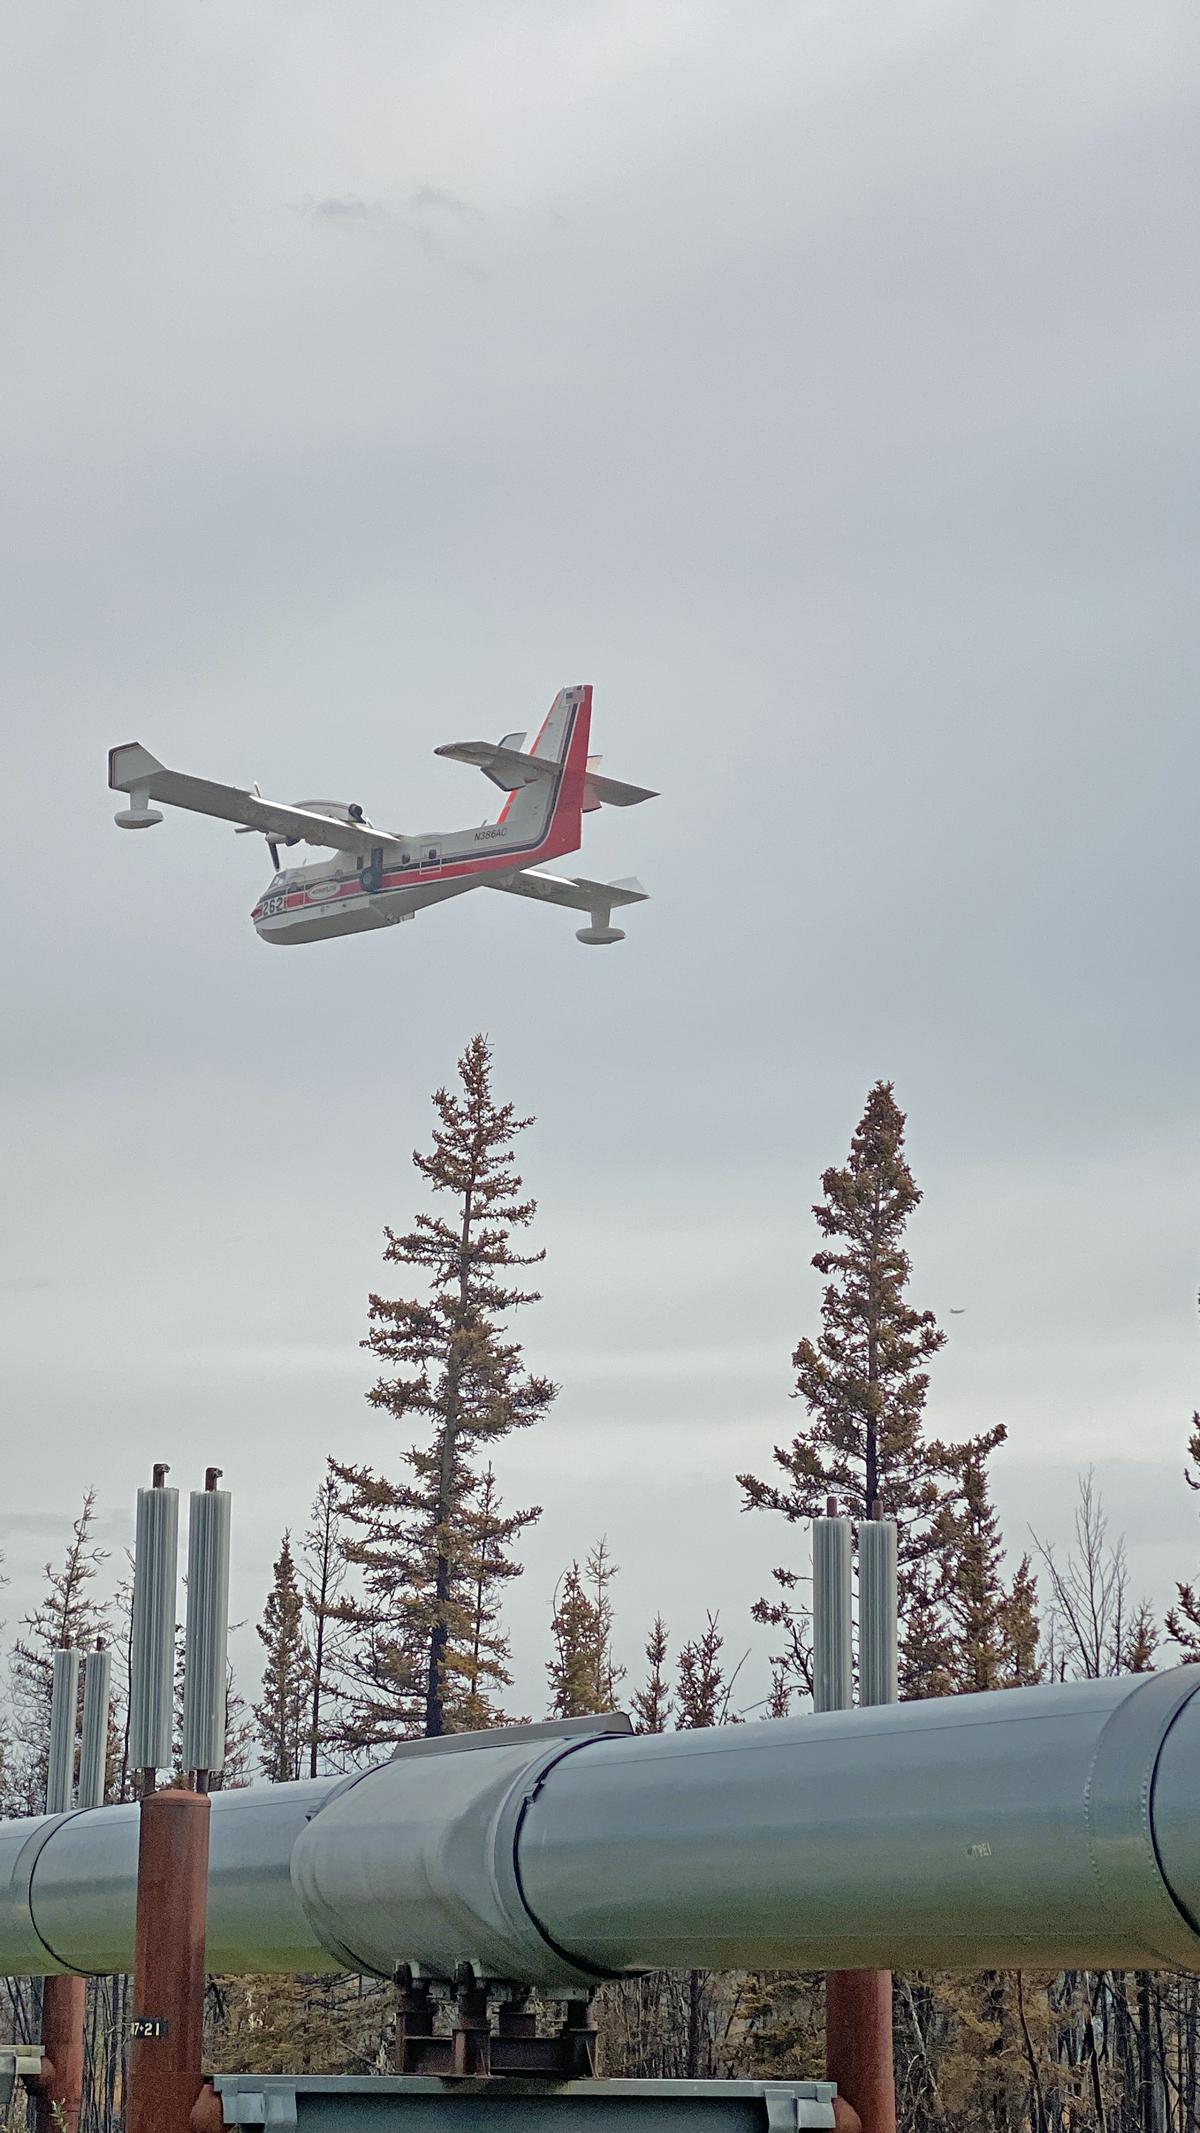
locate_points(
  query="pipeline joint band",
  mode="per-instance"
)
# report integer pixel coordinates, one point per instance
(1120, 1824)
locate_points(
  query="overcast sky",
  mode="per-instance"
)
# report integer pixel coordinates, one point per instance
(816, 378)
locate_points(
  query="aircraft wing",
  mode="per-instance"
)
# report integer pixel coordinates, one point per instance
(575, 891)
(133, 769)
(509, 768)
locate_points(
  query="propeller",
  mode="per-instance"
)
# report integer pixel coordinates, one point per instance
(247, 829)
(353, 813)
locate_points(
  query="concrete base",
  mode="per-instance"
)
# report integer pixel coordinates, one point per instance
(334, 2103)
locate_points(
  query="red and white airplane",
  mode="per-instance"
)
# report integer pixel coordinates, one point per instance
(377, 877)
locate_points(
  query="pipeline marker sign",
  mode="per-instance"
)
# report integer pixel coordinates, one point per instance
(149, 2026)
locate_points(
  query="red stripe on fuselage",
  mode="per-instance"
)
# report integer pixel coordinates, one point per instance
(557, 840)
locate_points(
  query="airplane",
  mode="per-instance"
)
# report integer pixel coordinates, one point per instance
(378, 877)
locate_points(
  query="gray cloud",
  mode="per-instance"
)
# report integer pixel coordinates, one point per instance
(348, 213)
(372, 220)
(434, 197)
(362, 218)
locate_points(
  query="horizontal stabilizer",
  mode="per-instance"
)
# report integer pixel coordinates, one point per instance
(509, 768)
(576, 892)
(609, 792)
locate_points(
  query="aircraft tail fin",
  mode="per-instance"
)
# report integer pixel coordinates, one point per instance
(545, 783)
(547, 807)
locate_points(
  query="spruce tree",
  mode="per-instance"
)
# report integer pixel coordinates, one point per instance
(583, 1674)
(1020, 1631)
(1141, 1641)
(239, 1739)
(67, 1615)
(967, 1628)
(450, 1365)
(928, 1660)
(864, 1380)
(323, 1567)
(972, 1555)
(1183, 1621)
(779, 1703)
(283, 1716)
(703, 1689)
(486, 1558)
(651, 1705)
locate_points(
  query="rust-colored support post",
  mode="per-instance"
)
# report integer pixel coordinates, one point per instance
(858, 2044)
(59, 2093)
(414, 2020)
(471, 2046)
(166, 2034)
(580, 2038)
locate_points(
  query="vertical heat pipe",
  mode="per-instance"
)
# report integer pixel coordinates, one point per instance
(93, 1751)
(859, 2053)
(152, 1649)
(58, 2095)
(833, 1676)
(64, 1703)
(206, 1660)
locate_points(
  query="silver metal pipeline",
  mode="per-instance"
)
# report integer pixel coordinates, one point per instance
(1032, 1827)
(68, 1887)
(1040, 1827)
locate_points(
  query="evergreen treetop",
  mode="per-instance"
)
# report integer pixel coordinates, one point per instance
(283, 1715)
(583, 1673)
(450, 1364)
(651, 1705)
(703, 1688)
(1183, 1620)
(1021, 1631)
(864, 1380)
(992, 1634)
(323, 1569)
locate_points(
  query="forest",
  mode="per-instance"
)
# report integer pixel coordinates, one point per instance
(383, 1620)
